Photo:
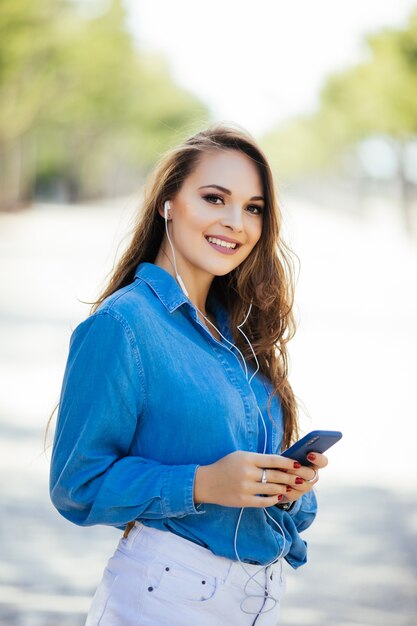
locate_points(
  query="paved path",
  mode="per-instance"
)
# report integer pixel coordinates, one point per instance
(353, 366)
(362, 567)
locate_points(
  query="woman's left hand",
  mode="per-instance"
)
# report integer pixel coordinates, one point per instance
(308, 475)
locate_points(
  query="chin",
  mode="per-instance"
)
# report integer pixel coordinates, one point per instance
(222, 269)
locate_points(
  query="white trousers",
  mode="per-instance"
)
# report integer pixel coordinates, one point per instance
(156, 578)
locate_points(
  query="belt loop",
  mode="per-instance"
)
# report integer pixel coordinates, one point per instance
(128, 528)
(229, 575)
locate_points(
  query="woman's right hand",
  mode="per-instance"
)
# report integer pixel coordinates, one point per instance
(235, 480)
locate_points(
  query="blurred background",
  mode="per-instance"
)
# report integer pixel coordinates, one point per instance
(91, 93)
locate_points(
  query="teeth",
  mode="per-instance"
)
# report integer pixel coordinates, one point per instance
(219, 242)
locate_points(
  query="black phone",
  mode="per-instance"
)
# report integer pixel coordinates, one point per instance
(316, 441)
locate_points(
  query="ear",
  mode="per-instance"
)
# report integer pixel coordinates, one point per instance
(165, 209)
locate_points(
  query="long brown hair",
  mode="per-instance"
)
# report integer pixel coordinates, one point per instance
(265, 277)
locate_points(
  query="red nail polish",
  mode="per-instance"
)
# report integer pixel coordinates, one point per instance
(311, 456)
(280, 496)
(297, 465)
(288, 488)
(299, 481)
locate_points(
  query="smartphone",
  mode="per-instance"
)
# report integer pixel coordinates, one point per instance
(316, 441)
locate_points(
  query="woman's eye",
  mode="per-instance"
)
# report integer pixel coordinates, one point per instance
(259, 209)
(210, 197)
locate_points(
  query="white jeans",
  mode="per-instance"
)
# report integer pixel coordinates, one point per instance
(156, 578)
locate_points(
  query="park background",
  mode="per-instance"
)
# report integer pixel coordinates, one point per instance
(91, 93)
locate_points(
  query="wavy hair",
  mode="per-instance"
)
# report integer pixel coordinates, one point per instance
(265, 277)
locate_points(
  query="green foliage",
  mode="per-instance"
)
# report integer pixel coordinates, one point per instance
(78, 95)
(28, 49)
(376, 96)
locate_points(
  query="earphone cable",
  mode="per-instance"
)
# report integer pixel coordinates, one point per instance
(265, 595)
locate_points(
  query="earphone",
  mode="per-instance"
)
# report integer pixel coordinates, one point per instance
(265, 593)
(166, 209)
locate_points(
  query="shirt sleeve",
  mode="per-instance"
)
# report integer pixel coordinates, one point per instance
(301, 517)
(304, 511)
(291, 523)
(94, 477)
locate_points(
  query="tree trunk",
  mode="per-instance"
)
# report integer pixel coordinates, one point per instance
(16, 173)
(406, 190)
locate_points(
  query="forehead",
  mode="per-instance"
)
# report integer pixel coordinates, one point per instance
(229, 168)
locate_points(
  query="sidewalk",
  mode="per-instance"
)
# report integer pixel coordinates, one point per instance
(362, 567)
(353, 365)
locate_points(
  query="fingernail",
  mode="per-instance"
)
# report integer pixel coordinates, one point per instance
(311, 456)
(297, 465)
(299, 481)
(280, 496)
(288, 488)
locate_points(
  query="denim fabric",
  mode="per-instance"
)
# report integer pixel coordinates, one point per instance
(148, 395)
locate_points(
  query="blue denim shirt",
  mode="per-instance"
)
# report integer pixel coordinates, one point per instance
(148, 395)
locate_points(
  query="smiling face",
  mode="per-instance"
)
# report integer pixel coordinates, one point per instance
(220, 199)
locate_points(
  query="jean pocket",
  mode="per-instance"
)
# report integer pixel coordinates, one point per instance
(101, 598)
(176, 582)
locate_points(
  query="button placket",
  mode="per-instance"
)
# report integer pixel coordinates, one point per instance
(248, 399)
(247, 394)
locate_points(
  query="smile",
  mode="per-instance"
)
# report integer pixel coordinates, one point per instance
(222, 246)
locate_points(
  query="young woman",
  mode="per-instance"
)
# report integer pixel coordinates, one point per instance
(176, 404)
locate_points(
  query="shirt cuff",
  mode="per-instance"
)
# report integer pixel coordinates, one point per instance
(297, 506)
(178, 491)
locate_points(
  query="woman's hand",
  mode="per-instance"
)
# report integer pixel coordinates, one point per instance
(235, 479)
(306, 473)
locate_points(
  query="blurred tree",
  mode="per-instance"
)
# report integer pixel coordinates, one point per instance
(378, 96)
(28, 50)
(82, 108)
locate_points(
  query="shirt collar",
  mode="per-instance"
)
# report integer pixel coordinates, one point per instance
(165, 286)
(162, 283)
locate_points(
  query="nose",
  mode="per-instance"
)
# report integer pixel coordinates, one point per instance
(233, 218)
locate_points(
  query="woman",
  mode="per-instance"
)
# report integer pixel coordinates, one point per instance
(172, 417)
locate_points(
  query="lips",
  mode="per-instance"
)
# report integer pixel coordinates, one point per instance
(223, 238)
(222, 249)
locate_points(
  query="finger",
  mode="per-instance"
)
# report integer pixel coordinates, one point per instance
(306, 473)
(319, 460)
(287, 478)
(260, 502)
(313, 478)
(271, 489)
(299, 490)
(303, 485)
(274, 461)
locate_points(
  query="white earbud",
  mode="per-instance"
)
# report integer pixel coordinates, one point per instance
(167, 206)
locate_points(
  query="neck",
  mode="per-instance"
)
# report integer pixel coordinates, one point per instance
(197, 282)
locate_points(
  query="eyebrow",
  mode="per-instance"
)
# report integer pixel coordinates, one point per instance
(229, 193)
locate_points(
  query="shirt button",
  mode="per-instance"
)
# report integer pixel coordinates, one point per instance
(150, 588)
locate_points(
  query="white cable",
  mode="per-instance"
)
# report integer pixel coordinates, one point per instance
(265, 595)
(172, 248)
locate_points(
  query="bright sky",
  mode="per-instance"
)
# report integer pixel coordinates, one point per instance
(256, 63)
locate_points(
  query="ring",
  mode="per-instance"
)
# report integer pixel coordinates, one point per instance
(314, 477)
(263, 479)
